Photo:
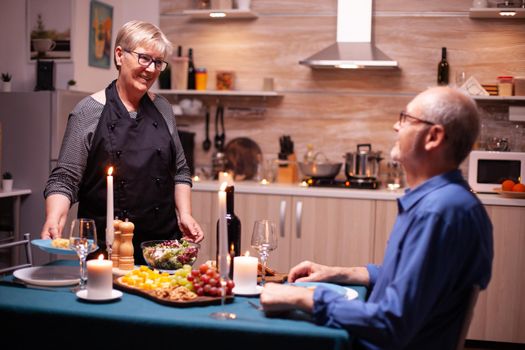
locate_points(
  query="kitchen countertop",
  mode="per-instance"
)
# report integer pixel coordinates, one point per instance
(298, 190)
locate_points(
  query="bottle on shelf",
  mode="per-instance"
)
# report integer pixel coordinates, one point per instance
(191, 70)
(442, 73)
(309, 156)
(233, 224)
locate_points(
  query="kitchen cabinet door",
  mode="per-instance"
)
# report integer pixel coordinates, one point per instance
(332, 231)
(252, 207)
(386, 214)
(201, 208)
(500, 311)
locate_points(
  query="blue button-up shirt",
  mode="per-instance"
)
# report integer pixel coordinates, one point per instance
(440, 246)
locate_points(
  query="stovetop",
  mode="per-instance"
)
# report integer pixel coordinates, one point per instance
(352, 183)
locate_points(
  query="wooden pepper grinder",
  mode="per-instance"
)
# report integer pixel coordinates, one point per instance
(126, 260)
(116, 243)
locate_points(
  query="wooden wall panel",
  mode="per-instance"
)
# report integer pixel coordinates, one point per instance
(352, 106)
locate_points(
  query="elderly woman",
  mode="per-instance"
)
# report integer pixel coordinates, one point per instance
(133, 130)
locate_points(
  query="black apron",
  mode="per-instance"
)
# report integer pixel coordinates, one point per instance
(142, 153)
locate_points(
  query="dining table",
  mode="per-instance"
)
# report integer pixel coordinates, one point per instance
(56, 316)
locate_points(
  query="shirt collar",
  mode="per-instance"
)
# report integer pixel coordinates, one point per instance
(412, 196)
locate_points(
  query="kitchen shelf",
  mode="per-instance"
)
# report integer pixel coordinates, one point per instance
(219, 93)
(494, 12)
(500, 98)
(218, 14)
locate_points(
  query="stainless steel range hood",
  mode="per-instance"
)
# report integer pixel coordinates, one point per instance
(354, 48)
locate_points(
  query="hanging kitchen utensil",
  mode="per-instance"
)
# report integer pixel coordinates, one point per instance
(219, 137)
(206, 144)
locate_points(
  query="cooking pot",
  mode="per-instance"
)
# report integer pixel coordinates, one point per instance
(320, 170)
(364, 163)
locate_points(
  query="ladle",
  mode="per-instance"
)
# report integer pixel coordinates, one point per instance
(206, 144)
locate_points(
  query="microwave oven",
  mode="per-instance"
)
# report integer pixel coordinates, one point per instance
(488, 169)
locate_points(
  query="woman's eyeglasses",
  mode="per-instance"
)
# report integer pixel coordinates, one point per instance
(403, 117)
(145, 60)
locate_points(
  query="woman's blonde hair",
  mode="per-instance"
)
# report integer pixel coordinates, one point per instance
(139, 33)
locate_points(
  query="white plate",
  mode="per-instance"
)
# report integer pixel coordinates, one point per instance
(83, 294)
(349, 293)
(49, 275)
(257, 291)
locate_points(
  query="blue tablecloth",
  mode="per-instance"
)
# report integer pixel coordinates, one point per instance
(35, 317)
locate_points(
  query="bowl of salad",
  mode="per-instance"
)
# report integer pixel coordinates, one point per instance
(169, 255)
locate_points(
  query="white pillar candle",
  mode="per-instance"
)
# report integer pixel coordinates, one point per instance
(223, 233)
(245, 273)
(100, 278)
(110, 216)
(225, 177)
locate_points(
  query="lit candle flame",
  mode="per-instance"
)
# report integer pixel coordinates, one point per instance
(101, 257)
(110, 171)
(247, 253)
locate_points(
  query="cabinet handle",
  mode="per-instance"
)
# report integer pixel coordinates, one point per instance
(282, 217)
(298, 218)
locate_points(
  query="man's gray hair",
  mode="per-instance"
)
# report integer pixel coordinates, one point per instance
(458, 113)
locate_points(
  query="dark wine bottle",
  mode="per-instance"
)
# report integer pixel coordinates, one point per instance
(233, 225)
(191, 70)
(442, 74)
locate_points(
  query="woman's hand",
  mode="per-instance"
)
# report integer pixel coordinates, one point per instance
(57, 207)
(191, 230)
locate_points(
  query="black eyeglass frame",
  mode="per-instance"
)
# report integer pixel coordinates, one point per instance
(403, 116)
(142, 56)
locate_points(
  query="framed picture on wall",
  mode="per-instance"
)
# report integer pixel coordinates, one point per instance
(49, 29)
(100, 27)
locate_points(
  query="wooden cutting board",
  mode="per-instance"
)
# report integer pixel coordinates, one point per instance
(276, 278)
(198, 301)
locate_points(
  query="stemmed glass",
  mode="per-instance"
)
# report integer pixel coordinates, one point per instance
(224, 269)
(264, 240)
(83, 240)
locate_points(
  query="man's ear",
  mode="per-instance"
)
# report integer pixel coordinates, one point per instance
(436, 136)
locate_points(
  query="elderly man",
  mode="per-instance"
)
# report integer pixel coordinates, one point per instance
(440, 246)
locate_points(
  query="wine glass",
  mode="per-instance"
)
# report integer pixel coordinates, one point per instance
(264, 240)
(83, 240)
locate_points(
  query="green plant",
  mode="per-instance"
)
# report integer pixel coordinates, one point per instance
(6, 77)
(40, 31)
(7, 175)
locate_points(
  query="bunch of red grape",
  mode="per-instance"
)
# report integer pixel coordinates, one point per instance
(207, 281)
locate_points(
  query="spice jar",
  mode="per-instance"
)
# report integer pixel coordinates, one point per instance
(519, 86)
(505, 85)
(201, 79)
(225, 80)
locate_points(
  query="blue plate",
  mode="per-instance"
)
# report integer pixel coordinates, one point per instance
(45, 245)
(349, 293)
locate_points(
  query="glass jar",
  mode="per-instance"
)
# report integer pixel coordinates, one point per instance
(201, 79)
(505, 84)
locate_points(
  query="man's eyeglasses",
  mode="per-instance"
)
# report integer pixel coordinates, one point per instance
(403, 117)
(145, 60)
